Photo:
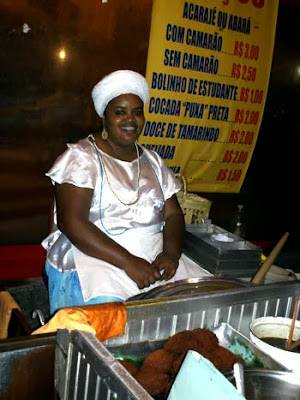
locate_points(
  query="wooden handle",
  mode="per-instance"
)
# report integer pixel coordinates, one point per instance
(264, 268)
(291, 331)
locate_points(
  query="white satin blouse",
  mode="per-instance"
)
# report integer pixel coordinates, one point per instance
(137, 227)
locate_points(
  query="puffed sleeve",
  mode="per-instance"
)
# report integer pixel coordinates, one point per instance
(168, 181)
(170, 184)
(75, 166)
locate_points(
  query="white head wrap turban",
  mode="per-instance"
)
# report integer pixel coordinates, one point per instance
(117, 83)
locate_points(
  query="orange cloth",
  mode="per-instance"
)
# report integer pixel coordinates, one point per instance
(7, 304)
(103, 320)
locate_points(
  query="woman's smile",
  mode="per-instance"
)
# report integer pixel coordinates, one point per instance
(124, 119)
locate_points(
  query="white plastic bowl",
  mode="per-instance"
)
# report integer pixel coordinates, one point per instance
(276, 327)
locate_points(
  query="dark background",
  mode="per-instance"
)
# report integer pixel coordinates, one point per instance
(45, 103)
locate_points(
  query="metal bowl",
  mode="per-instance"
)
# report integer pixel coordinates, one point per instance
(269, 385)
(191, 287)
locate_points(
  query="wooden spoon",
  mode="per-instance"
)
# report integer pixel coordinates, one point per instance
(264, 268)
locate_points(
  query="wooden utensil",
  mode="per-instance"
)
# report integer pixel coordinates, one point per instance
(294, 345)
(291, 332)
(264, 268)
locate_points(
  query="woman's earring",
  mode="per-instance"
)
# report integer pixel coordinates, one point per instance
(104, 135)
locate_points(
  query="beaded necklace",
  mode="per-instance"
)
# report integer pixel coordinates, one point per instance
(101, 161)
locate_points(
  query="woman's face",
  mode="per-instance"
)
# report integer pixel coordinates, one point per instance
(124, 119)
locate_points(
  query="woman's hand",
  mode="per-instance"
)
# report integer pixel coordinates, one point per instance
(166, 264)
(142, 273)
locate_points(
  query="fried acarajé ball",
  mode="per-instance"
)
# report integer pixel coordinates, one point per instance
(223, 359)
(154, 382)
(181, 342)
(206, 338)
(201, 340)
(160, 360)
(130, 366)
(178, 362)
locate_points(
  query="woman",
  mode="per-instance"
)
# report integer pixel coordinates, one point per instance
(120, 227)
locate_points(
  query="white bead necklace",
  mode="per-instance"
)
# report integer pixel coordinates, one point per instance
(106, 176)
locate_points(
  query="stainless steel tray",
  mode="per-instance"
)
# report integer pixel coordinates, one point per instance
(240, 345)
(191, 287)
(228, 337)
(236, 258)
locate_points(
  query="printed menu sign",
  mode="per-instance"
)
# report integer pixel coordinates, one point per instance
(208, 69)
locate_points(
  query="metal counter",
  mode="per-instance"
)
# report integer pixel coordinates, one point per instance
(27, 367)
(85, 369)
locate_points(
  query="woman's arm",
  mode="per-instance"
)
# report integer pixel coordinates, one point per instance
(173, 239)
(73, 207)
